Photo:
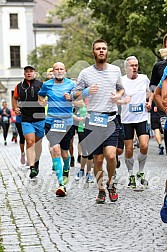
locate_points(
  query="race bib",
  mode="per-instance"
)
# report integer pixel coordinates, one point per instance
(98, 119)
(5, 119)
(136, 108)
(58, 125)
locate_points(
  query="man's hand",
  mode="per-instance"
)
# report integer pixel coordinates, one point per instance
(115, 97)
(148, 106)
(67, 97)
(93, 89)
(127, 99)
(17, 111)
(43, 102)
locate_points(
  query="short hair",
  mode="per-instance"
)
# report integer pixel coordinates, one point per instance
(129, 58)
(164, 40)
(4, 101)
(98, 41)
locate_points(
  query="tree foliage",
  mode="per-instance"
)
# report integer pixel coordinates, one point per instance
(126, 23)
(130, 28)
(75, 40)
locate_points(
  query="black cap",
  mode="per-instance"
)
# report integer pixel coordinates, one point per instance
(29, 66)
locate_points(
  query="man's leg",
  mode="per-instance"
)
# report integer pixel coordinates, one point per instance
(31, 155)
(38, 150)
(66, 168)
(110, 155)
(98, 170)
(98, 173)
(142, 156)
(30, 148)
(129, 161)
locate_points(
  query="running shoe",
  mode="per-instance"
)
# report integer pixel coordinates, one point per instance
(22, 160)
(89, 178)
(132, 182)
(101, 197)
(113, 195)
(161, 150)
(163, 211)
(5, 143)
(33, 171)
(79, 175)
(141, 178)
(66, 175)
(61, 191)
(72, 161)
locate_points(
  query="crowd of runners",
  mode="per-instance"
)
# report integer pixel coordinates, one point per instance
(106, 110)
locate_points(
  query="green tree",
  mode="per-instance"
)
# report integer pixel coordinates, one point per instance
(127, 23)
(126, 26)
(74, 44)
(42, 58)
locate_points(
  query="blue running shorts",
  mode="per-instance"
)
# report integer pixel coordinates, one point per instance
(34, 127)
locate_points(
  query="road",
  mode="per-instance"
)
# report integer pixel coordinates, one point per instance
(34, 219)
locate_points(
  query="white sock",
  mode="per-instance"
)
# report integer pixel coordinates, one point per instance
(129, 164)
(142, 160)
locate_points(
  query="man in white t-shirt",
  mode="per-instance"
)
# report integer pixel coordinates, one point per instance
(134, 117)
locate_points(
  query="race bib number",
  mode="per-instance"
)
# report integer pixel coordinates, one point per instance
(98, 119)
(58, 125)
(136, 108)
(5, 119)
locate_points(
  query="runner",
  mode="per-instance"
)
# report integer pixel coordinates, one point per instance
(134, 116)
(32, 117)
(59, 121)
(101, 84)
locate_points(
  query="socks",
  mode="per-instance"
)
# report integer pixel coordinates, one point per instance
(66, 167)
(57, 166)
(142, 160)
(129, 164)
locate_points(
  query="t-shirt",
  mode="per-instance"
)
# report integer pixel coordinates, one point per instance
(135, 111)
(108, 81)
(58, 106)
(157, 72)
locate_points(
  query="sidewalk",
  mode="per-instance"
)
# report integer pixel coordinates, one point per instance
(34, 219)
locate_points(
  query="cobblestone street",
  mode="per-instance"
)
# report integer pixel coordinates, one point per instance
(34, 219)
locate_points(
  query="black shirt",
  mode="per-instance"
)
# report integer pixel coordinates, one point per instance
(31, 111)
(157, 72)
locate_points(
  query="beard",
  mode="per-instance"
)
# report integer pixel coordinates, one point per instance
(100, 60)
(59, 77)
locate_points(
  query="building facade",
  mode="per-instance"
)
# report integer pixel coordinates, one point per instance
(23, 27)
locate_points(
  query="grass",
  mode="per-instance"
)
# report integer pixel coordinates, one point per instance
(1, 246)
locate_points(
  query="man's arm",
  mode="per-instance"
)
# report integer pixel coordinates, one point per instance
(119, 93)
(164, 93)
(81, 89)
(158, 99)
(124, 101)
(15, 106)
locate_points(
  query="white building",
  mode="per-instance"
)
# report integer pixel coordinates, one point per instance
(23, 27)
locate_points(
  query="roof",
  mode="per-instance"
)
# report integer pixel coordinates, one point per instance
(41, 9)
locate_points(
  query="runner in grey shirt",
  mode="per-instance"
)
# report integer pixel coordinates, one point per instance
(101, 84)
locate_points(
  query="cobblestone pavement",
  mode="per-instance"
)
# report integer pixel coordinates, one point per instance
(34, 219)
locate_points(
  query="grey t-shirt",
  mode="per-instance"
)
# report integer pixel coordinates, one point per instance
(108, 81)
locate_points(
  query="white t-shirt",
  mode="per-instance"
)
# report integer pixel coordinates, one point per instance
(135, 111)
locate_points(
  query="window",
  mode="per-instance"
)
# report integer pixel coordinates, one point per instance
(15, 56)
(13, 21)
